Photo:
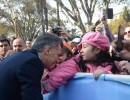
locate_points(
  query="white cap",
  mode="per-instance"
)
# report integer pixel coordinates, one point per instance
(77, 40)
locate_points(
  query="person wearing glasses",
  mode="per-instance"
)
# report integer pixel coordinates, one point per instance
(127, 33)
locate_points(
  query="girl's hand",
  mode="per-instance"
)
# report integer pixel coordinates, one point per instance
(97, 73)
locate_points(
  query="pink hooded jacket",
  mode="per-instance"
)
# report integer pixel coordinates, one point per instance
(65, 71)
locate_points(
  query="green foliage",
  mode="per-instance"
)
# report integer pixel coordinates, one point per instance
(5, 29)
(126, 15)
(124, 20)
(115, 23)
(29, 7)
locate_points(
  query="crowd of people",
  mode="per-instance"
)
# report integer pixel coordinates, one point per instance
(32, 68)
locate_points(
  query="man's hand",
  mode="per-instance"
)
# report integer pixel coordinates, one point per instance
(125, 53)
(123, 66)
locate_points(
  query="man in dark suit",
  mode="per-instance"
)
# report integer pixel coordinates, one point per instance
(20, 74)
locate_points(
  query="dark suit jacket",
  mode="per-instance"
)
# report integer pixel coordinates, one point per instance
(20, 76)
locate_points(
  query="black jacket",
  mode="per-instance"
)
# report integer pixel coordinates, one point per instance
(20, 76)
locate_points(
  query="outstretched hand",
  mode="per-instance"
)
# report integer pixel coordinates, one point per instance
(97, 73)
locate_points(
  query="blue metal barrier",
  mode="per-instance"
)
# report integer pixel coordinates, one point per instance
(84, 87)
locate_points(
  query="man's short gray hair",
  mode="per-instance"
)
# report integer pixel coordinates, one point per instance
(46, 40)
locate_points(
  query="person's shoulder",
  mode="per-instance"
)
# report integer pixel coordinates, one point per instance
(29, 52)
(23, 56)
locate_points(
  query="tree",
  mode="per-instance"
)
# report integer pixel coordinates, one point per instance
(126, 15)
(27, 22)
(74, 11)
(113, 25)
(33, 17)
(30, 20)
(43, 12)
(4, 29)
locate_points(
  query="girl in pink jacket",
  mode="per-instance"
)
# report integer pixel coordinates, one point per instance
(93, 58)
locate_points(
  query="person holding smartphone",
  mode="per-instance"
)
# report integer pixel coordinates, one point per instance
(104, 29)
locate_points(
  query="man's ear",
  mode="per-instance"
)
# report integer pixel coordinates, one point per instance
(47, 50)
(97, 50)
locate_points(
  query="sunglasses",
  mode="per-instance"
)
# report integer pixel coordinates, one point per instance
(127, 32)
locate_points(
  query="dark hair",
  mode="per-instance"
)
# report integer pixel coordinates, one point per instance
(103, 57)
(97, 22)
(94, 27)
(56, 30)
(5, 40)
(28, 39)
(82, 65)
(46, 40)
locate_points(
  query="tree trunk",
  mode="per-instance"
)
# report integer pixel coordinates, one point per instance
(58, 16)
(44, 4)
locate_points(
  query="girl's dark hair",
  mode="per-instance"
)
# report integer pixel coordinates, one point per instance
(82, 65)
(102, 58)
